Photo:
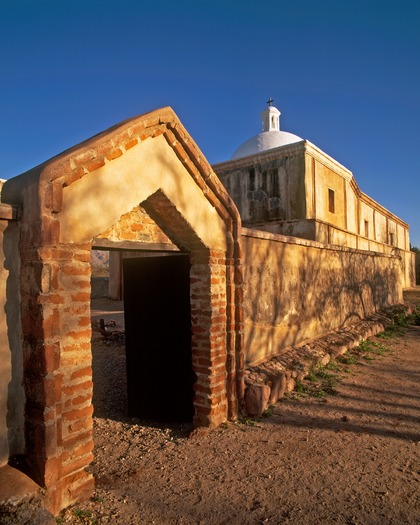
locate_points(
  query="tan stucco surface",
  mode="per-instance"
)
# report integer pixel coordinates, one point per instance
(94, 203)
(268, 186)
(297, 179)
(297, 290)
(5, 357)
(11, 389)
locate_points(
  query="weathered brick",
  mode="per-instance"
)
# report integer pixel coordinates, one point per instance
(77, 464)
(71, 443)
(82, 372)
(80, 297)
(76, 269)
(77, 414)
(130, 143)
(80, 335)
(78, 425)
(95, 164)
(79, 388)
(78, 400)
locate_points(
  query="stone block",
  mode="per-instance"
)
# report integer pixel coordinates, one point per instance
(256, 399)
(278, 385)
(290, 386)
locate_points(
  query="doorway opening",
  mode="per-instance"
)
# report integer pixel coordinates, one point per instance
(141, 344)
(157, 314)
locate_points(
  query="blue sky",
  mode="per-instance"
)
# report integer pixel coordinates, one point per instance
(345, 75)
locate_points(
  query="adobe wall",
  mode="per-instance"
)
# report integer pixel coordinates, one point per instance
(267, 187)
(288, 191)
(12, 399)
(296, 290)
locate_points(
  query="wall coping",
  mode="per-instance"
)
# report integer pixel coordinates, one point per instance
(303, 146)
(306, 147)
(277, 237)
(9, 212)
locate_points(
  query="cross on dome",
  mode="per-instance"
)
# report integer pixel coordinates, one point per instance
(270, 137)
(271, 117)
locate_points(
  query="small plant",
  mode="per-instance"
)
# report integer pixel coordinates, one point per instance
(368, 357)
(400, 320)
(322, 383)
(396, 328)
(373, 347)
(334, 366)
(415, 317)
(268, 412)
(249, 421)
(311, 376)
(348, 359)
(84, 516)
(301, 388)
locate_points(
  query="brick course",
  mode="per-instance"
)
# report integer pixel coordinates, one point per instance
(55, 306)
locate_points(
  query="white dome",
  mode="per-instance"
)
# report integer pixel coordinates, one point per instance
(264, 141)
(271, 137)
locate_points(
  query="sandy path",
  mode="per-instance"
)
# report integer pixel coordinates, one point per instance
(351, 458)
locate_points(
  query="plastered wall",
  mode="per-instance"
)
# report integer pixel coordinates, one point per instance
(266, 188)
(100, 210)
(300, 191)
(12, 399)
(296, 290)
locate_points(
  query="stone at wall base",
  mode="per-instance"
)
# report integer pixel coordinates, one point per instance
(21, 500)
(256, 399)
(278, 385)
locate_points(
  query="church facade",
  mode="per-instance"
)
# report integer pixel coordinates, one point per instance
(286, 185)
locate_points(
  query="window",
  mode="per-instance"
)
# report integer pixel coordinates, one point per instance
(391, 239)
(331, 200)
(366, 228)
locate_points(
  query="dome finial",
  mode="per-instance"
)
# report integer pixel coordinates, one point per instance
(271, 117)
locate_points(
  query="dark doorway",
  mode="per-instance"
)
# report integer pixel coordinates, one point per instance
(158, 338)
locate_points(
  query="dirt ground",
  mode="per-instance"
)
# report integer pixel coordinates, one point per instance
(346, 454)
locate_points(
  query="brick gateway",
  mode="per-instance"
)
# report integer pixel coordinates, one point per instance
(143, 182)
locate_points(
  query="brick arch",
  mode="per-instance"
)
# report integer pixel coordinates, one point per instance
(66, 203)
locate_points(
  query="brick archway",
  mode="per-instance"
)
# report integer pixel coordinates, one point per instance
(67, 202)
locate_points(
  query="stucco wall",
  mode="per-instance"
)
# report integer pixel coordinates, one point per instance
(266, 188)
(325, 180)
(101, 209)
(298, 190)
(11, 390)
(295, 290)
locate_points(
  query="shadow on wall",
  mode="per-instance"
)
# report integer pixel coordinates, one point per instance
(295, 292)
(16, 394)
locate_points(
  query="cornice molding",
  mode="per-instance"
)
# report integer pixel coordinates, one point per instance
(327, 161)
(378, 207)
(258, 158)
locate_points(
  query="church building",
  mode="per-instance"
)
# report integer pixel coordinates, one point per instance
(284, 184)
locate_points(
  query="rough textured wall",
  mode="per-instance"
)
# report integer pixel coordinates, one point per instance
(5, 357)
(295, 290)
(351, 207)
(266, 189)
(11, 390)
(136, 226)
(326, 179)
(100, 210)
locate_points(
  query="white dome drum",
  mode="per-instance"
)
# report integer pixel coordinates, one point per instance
(271, 137)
